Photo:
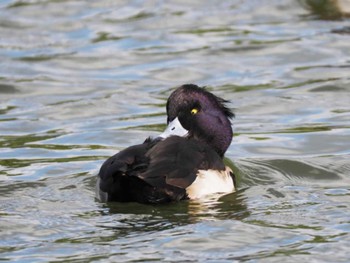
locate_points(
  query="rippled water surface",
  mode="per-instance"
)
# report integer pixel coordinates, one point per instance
(81, 80)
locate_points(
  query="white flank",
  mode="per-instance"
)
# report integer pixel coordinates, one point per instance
(211, 182)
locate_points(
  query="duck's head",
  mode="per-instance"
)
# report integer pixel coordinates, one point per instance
(194, 112)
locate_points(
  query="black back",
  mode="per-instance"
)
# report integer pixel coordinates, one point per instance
(156, 171)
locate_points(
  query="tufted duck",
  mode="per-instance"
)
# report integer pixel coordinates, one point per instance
(184, 162)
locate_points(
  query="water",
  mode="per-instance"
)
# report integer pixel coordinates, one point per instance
(80, 80)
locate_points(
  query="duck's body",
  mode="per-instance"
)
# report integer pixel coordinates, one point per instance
(170, 167)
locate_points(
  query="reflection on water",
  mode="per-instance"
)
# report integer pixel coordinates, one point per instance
(328, 9)
(80, 81)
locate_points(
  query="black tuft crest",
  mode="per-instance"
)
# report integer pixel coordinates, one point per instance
(183, 92)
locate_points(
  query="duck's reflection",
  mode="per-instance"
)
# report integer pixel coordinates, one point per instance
(231, 206)
(131, 218)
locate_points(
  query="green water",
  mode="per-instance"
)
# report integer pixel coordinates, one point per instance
(81, 80)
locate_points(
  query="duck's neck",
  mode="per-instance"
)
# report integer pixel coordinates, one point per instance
(219, 137)
(222, 140)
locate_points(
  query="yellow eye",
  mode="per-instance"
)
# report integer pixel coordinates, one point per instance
(194, 111)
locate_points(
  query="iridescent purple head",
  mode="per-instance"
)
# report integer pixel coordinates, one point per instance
(201, 115)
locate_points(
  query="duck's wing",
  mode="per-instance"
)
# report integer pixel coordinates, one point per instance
(117, 172)
(156, 171)
(175, 163)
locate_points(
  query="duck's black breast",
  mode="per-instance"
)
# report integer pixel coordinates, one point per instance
(156, 171)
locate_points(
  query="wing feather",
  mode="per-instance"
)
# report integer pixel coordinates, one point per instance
(176, 161)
